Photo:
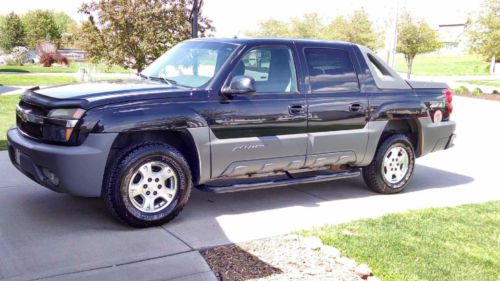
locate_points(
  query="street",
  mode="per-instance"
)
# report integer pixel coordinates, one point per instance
(48, 235)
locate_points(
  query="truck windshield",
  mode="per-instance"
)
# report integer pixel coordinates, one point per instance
(189, 64)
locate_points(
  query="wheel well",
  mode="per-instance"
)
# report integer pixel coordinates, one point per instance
(409, 127)
(179, 139)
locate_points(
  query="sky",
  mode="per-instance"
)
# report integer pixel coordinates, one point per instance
(235, 17)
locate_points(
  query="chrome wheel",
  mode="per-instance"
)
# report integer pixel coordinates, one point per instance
(395, 164)
(152, 187)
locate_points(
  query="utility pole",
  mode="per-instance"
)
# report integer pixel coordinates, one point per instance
(395, 41)
(194, 17)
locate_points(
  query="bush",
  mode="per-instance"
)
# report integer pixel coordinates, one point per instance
(477, 92)
(495, 92)
(46, 60)
(60, 59)
(19, 55)
(461, 90)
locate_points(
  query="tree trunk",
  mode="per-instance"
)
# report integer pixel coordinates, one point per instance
(492, 65)
(409, 64)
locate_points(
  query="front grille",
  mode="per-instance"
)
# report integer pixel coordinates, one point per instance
(28, 120)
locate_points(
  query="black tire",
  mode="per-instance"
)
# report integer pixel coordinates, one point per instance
(373, 173)
(119, 174)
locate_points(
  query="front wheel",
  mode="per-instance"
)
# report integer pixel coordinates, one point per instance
(392, 167)
(148, 186)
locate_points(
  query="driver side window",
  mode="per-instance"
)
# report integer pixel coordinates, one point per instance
(272, 68)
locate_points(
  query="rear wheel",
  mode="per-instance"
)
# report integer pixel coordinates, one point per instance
(392, 167)
(148, 186)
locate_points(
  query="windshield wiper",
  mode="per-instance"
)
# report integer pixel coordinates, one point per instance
(162, 79)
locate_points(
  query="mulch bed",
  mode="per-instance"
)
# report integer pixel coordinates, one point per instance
(278, 258)
(495, 97)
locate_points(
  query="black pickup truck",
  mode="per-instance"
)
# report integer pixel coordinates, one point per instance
(226, 115)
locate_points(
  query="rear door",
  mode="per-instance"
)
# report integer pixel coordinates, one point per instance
(337, 109)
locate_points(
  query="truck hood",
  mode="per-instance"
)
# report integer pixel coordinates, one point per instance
(88, 95)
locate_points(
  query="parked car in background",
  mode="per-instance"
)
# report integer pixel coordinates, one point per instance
(33, 57)
(225, 115)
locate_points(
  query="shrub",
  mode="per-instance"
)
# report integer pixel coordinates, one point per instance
(46, 59)
(8, 60)
(495, 92)
(461, 90)
(60, 59)
(19, 55)
(477, 92)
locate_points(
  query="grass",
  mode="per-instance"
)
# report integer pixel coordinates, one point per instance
(491, 83)
(72, 68)
(7, 117)
(34, 80)
(441, 65)
(461, 243)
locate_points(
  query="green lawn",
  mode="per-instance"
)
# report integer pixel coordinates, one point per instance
(492, 83)
(72, 68)
(444, 65)
(34, 80)
(7, 117)
(461, 243)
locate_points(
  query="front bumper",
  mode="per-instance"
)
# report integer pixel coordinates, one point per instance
(77, 170)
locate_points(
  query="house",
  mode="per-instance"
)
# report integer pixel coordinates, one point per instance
(454, 38)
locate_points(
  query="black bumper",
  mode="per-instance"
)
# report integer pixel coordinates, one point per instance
(76, 170)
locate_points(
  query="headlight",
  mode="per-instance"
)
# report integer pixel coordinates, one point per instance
(66, 113)
(59, 123)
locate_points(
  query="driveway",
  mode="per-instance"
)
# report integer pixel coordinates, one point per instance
(7, 89)
(48, 235)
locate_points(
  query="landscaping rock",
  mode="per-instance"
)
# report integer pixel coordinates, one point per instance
(313, 243)
(363, 271)
(347, 262)
(330, 251)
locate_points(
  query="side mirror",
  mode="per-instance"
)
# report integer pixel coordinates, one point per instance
(240, 85)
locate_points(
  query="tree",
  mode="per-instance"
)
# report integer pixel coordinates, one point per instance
(63, 21)
(40, 26)
(133, 33)
(309, 26)
(271, 28)
(415, 37)
(356, 28)
(11, 32)
(485, 36)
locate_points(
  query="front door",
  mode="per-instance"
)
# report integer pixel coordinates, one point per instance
(264, 131)
(337, 108)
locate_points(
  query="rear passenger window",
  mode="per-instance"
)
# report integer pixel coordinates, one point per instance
(330, 70)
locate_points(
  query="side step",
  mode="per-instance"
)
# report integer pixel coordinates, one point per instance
(280, 182)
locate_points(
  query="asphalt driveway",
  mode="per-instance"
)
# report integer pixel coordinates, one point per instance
(48, 235)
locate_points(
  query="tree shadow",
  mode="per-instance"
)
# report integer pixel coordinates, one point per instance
(13, 70)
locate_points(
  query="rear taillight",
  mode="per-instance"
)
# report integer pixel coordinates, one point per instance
(448, 94)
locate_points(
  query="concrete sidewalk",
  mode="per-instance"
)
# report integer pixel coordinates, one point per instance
(55, 236)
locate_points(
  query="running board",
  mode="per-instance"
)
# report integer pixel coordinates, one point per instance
(281, 182)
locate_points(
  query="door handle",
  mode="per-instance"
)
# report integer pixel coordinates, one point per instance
(297, 109)
(355, 107)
